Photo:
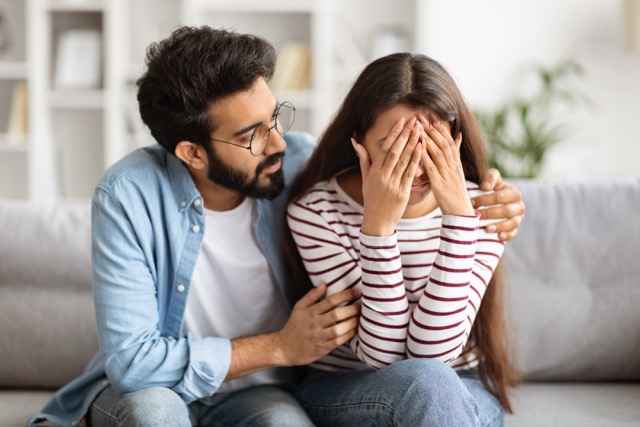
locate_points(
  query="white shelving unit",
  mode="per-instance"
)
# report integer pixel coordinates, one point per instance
(14, 147)
(75, 134)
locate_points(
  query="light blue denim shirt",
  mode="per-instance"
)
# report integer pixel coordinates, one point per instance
(147, 229)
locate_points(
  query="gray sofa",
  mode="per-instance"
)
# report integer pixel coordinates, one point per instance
(573, 304)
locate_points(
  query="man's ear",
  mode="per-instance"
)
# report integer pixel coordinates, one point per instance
(192, 154)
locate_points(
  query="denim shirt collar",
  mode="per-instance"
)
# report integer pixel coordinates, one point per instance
(184, 188)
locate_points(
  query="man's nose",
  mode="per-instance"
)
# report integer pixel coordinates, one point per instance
(276, 143)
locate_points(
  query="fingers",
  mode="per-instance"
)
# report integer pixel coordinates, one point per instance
(312, 297)
(508, 195)
(508, 211)
(396, 130)
(341, 332)
(336, 299)
(442, 148)
(492, 180)
(363, 156)
(458, 141)
(508, 235)
(410, 172)
(506, 229)
(396, 157)
(409, 158)
(440, 135)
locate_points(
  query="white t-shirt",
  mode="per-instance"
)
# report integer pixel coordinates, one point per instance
(233, 292)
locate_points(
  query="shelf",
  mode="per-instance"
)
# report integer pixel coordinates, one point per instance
(79, 129)
(254, 6)
(301, 99)
(83, 99)
(76, 5)
(13, 143)
(13, 70)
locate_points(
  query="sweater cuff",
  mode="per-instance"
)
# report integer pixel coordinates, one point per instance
(379, 241)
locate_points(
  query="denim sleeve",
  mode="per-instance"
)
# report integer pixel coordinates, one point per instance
(127, 289)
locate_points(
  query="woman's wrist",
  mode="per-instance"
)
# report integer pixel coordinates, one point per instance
(376, 229)
(461, 208)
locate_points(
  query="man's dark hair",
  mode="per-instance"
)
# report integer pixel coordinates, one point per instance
(191, 69)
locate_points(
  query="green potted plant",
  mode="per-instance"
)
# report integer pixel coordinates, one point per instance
(520, 133)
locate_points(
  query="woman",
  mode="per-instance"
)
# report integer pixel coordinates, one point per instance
(384, 206)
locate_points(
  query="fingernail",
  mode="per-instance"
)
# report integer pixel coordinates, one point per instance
(411, 123)
(491, 229)
(474, 203)
(485, 186)
(355, 146)
(503, 236)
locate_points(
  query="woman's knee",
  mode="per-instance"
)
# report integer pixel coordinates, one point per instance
(429, 380)
(427, 373)
(429, 392)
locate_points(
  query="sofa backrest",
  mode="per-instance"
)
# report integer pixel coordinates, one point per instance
(47, 321)
(573, 275)
(573, 278)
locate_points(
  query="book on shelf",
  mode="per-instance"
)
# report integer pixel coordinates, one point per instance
(19, 116)
(293, 69)
(78, 62)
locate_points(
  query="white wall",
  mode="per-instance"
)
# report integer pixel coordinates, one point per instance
(487, 45)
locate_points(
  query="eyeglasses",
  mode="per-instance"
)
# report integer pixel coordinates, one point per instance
(259, 139)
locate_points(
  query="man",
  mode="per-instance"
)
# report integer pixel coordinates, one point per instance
(193, 318)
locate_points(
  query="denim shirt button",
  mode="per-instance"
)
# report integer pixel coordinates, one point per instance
(183, 203)
(181, 288)
(197, 202)
(195, 228)
(170, 338)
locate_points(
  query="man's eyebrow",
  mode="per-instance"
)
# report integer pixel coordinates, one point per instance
(247, 128)
(252, 126)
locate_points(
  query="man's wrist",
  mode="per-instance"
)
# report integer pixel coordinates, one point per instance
(276, 343)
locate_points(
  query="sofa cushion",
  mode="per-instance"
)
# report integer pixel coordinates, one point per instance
(575, 405)
(16, 407)
(574, 281)
(48, 329)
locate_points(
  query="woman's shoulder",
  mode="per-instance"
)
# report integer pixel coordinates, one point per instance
(320, 192)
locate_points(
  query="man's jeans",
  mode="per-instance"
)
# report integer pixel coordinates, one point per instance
(154, 407)
(414, 392)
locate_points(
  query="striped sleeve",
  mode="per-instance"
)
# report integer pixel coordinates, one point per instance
(324, 252)
(441, 322)
(381, 336)
(385, 309)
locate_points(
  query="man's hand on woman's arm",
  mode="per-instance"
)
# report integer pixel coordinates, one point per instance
(504, 202)
(316, 326)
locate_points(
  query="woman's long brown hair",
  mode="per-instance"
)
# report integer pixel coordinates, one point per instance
(419, 82)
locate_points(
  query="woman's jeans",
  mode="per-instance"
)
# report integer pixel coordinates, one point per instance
(414, 392)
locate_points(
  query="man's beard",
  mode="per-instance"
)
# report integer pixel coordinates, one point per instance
(237, 180)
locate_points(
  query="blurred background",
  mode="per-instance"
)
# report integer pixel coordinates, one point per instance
(555, 83)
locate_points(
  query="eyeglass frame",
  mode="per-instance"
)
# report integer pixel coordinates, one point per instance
(275, 114)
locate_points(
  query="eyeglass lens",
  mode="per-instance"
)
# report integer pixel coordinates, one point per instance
(284, 119)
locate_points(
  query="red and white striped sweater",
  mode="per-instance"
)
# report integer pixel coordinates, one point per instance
(421, 288)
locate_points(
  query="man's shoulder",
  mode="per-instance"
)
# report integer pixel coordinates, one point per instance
(300, 145)
(142, 165)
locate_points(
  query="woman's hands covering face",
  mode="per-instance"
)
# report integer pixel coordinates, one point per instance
(441, 159)
(387, 180)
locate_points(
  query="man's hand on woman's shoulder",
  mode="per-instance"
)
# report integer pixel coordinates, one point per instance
(503, 202)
